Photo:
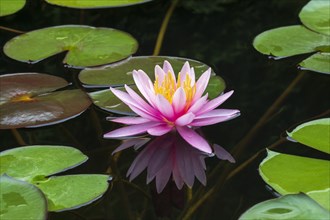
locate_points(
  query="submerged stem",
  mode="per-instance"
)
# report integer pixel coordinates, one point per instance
(18, 137)
(11, 30)
(163, 27)
(238, 149)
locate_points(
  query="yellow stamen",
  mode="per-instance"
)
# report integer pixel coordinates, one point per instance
(168, 87)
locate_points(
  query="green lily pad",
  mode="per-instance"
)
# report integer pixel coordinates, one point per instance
(21, 200)
(289, 174)
(35, 162)
(319, 62)
(8, 7)
(73, 191)
(86, 46)
(121, 73)
(297, 39)
(290, 40)
(27, 100)
(296, 206)
(107, 101)
(316, 16)
(315, 134)
(90, 4)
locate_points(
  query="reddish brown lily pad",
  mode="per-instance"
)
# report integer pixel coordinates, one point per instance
(29, 100)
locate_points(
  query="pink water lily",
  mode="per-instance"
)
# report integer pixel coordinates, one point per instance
(169, 103)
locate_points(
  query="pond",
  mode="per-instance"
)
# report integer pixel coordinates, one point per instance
(217, 33)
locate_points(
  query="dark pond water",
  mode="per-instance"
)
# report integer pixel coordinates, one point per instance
(218, 33)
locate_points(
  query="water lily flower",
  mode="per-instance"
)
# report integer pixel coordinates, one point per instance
(170, 155)
(171, 103)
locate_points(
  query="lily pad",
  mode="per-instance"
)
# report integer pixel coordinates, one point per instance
(315, 134)
(296, 206)
(290, 40)
(90, 4)
(316, 16)
(297, 39)
(21, 200)
(319, 62)
(86, 46)
(73, 191)
(289, 174)
(39, 161)
(27, 100)
(107, 101)
(121, 73)
(8, 7)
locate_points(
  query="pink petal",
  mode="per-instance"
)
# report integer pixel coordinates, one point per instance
(130, 120)
(160, 74)
(185, 119)
(222, 154)
(199, 104)
(135, 106)
(194, 139)
(167, 67)
(184, 70)
(144, 85)
(130, 130)
(210, 121)
(160, 130)
(165, 108)
(218, 113)
(201, 84)
(139, 100)
(179, 100)
(215, 102)
(145, 114)
(192, 76)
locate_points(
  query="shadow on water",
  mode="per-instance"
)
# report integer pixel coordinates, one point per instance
(221, 36)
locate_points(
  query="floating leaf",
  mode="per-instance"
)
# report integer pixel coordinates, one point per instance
(297, 206)
(316, 16)
(8, 7)
(288, 41)
(107, 101)
(86, 46)
(315, 134)
(319, 62)
(121, 73)
(289, 174)
(293, 40)
(21, 200)
(73, 191)
(31, 162)
(90, 4)
(27, 100)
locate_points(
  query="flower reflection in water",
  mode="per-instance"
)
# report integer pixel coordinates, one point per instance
(170, 157)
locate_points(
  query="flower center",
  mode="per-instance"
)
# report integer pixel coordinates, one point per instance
(168, 87)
